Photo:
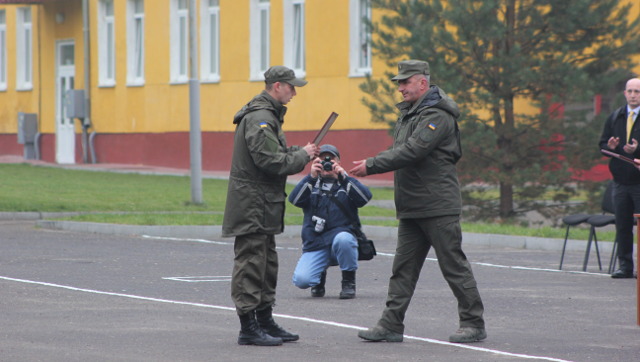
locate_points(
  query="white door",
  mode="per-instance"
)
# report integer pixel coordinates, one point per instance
(65, 74)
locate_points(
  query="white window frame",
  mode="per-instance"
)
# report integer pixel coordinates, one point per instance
(360, 38)
(106, 43)
(179, 29)
(210, 40)
(3, 50)
(294, 36)
(135, 42)
(24, 49)
(260, 29)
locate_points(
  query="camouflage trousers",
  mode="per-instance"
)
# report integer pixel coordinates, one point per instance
(255, 272)
(415, 239)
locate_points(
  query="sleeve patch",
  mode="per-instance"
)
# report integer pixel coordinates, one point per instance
(264, 124)
(432, 126)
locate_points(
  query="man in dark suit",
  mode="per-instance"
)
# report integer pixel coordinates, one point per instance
(621, 135)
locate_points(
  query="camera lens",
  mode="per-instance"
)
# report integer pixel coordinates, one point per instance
(327, 165)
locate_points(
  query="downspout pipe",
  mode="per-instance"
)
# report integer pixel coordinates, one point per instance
(86, 122)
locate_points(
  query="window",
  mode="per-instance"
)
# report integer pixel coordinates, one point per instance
(260, 28)
(3, 50)
(210, 40)
(24, 50)
(360, 37)
(294, 36)
(179, 41)
(106, 44)
(135, 42)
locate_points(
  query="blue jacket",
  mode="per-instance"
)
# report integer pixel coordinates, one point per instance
(314, 201)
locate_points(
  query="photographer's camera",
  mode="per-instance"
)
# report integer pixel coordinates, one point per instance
(319, 223)
(327, 164)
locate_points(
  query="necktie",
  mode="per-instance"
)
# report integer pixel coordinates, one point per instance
(629, 125)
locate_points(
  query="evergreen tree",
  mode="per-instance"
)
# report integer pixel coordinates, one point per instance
(492, 57)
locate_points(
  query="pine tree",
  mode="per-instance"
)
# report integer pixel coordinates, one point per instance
(491, 55)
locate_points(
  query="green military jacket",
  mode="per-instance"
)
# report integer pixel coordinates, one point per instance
(425, 150)
(259, 167)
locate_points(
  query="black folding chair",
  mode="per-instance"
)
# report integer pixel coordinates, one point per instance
(595, 221)
(571, 220)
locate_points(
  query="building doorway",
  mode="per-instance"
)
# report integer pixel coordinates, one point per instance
(65, 77)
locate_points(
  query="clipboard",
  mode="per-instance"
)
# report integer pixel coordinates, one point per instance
(325, 128)
(621, 157)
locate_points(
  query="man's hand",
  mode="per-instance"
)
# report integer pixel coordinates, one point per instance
(630, 148)
(613, 143)
(312, 150)
(360, 168)
(316, 167)
(339, 170)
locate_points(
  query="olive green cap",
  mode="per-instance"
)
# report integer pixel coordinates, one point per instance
(280, 73)
(408, 68)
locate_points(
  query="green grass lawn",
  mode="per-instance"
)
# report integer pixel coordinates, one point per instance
(135, 199)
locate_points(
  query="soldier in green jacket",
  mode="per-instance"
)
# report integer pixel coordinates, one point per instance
(425, 150)
(254, 211)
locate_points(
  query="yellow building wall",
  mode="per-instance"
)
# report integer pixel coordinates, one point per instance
(159, 106)
(12, 100)
(51, 33)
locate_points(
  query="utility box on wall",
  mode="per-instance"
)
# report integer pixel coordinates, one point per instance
(75, 104)
(27, 131)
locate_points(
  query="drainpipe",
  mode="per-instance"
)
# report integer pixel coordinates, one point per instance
(86, 122)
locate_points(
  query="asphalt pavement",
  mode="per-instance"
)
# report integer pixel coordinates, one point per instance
(84, 291)
(78, 296)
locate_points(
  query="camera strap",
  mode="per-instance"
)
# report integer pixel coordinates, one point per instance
(354, 221)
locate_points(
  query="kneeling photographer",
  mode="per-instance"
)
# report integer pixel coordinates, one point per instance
(330, 200)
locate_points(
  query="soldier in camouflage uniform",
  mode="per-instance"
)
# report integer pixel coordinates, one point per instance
(425, 150)
(254, 210)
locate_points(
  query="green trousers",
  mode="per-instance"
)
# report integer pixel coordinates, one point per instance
(415, 239)
(255, 272)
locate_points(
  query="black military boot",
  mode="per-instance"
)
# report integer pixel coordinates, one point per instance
(251, 333)
(348, 285)
(318, 290)
(266, 322)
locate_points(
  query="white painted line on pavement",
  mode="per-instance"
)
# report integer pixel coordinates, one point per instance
(541, 269)
(205, 241)
(198, 279)
(318, 321)
(392, 255)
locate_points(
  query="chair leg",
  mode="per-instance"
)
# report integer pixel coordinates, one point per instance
(564, 247)
(614, 259)
(586, 254)
(595, 241)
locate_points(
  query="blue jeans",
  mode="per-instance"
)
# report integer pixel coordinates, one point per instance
(343, 252)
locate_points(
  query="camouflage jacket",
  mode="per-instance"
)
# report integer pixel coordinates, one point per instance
(259, 168)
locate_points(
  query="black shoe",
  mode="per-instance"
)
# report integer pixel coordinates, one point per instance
(258, 338)
(252, 334)
(622, 274)
(266, 323)
(348, 285)
(318, 290)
